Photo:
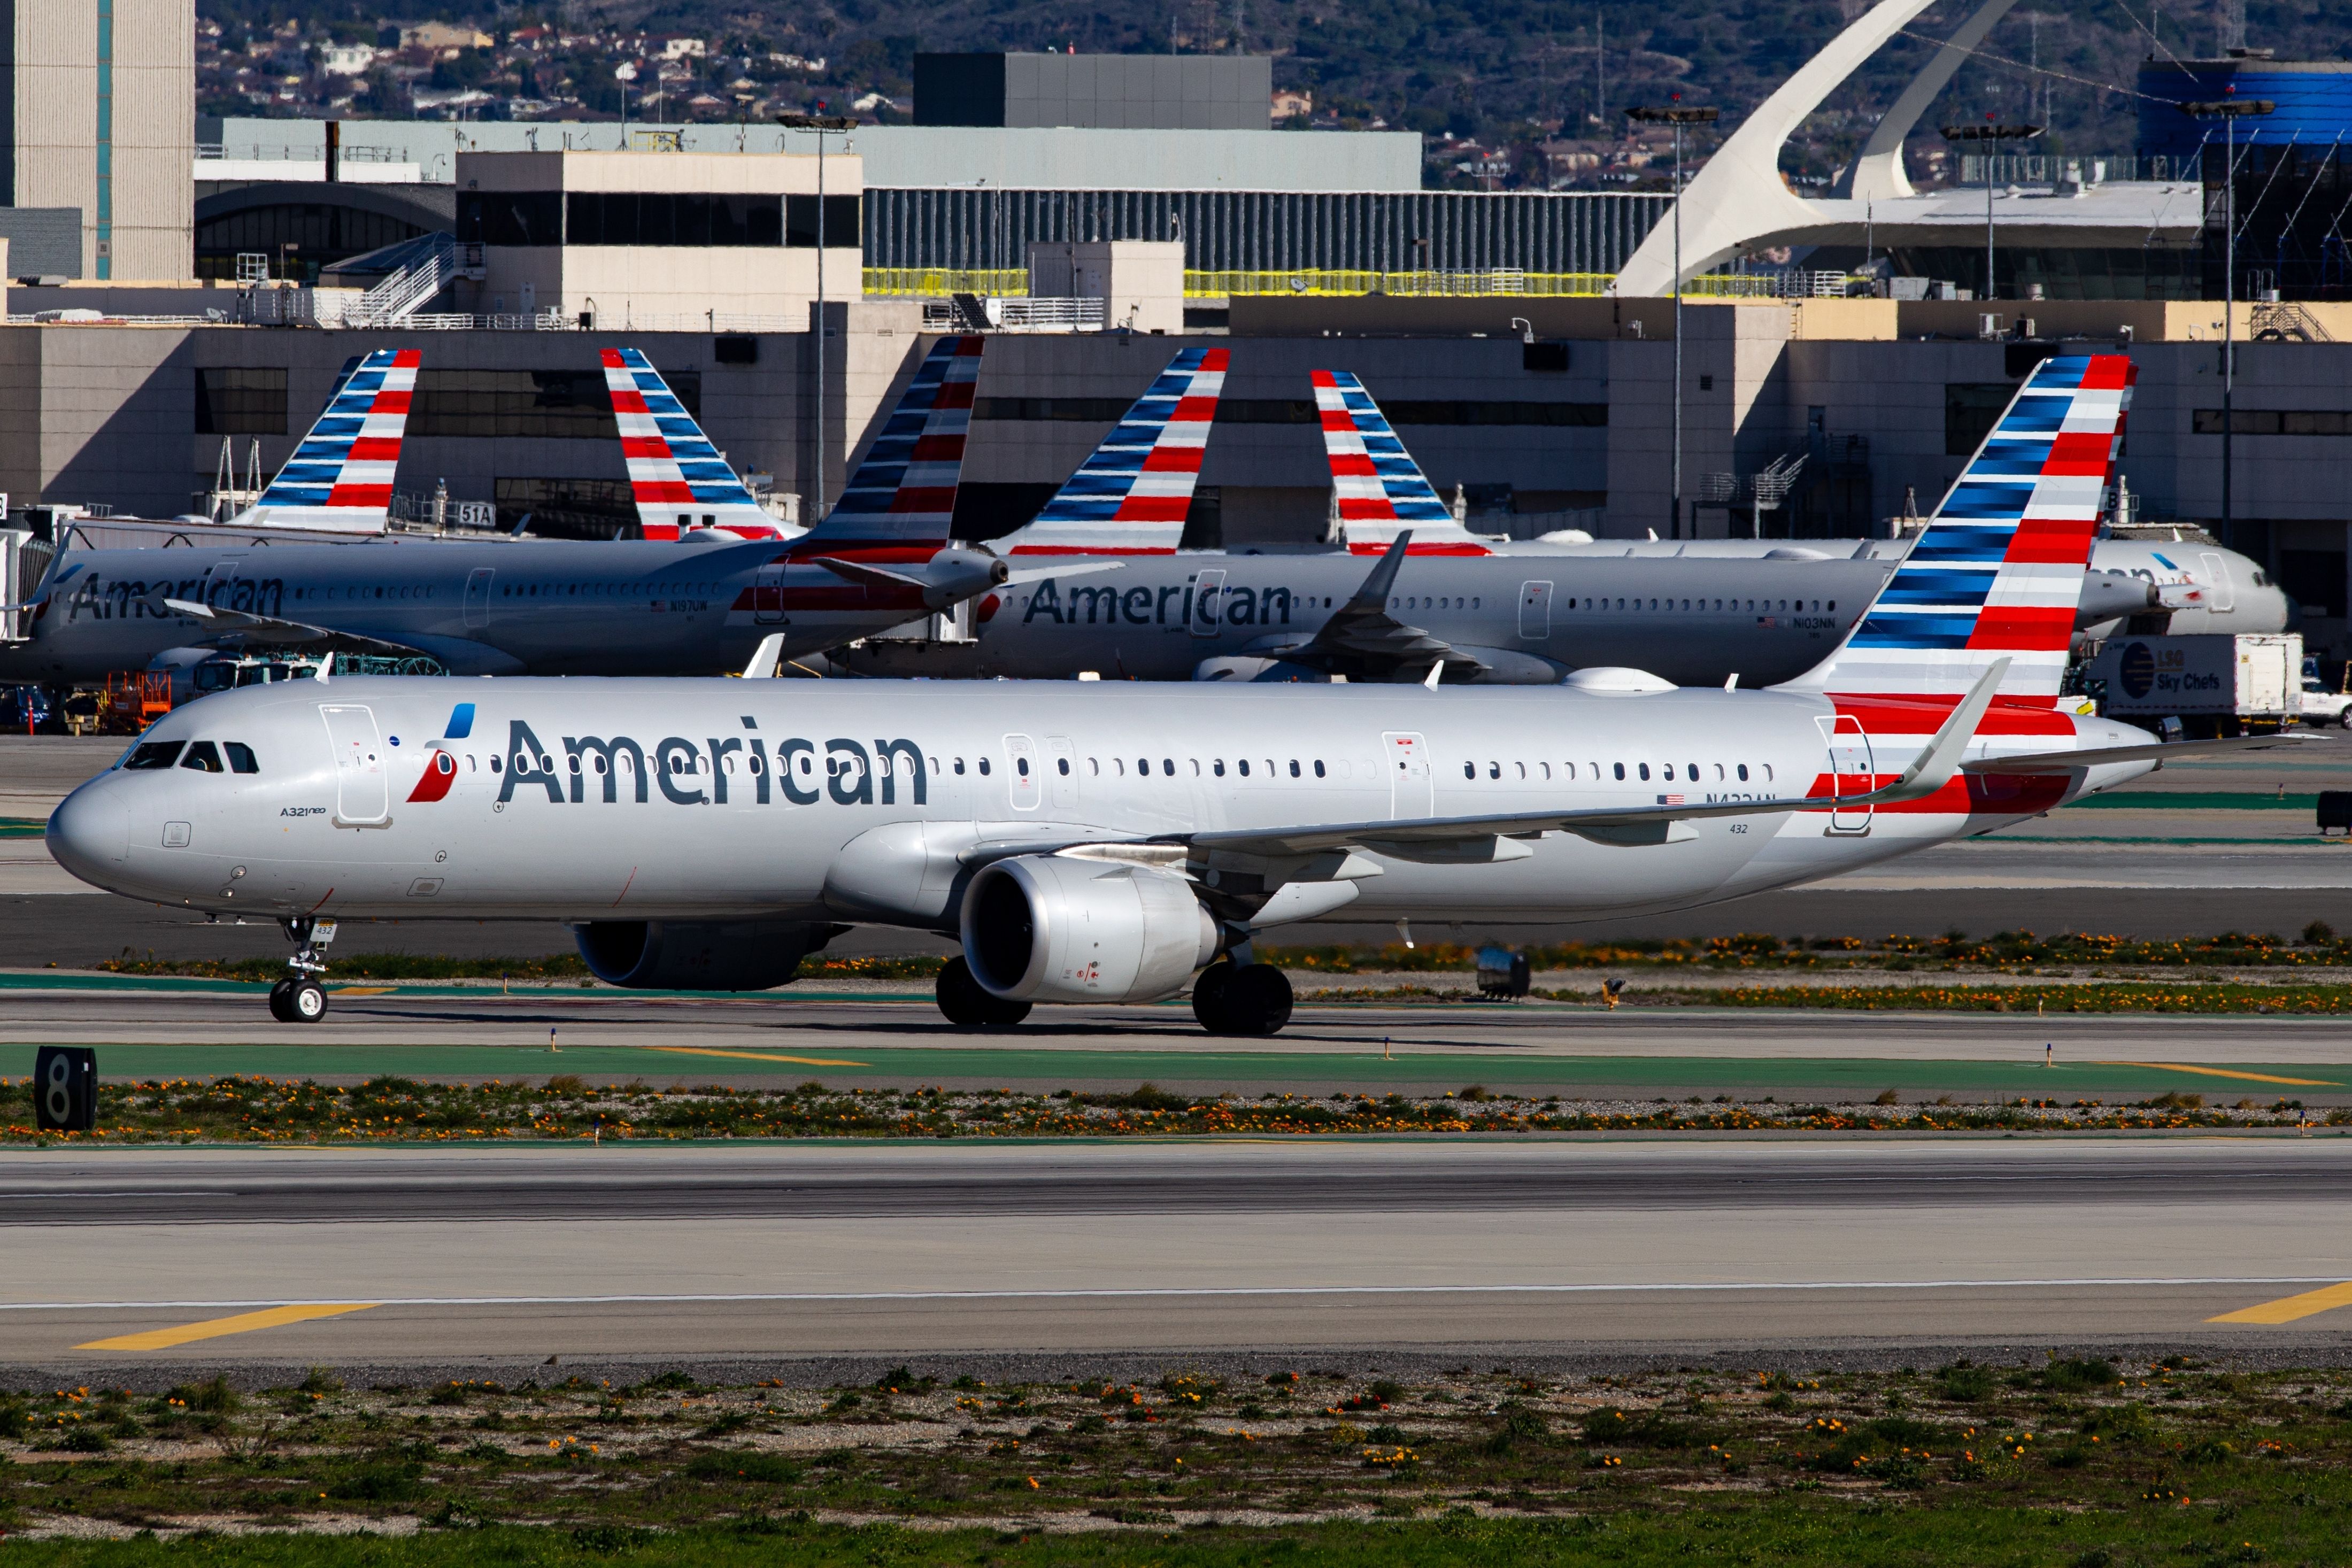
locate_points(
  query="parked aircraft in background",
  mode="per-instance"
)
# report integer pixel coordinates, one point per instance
(678, 480)
(696, 606)
(2181, 585)
(1090, 844)
(1481, 617)
(339, 477)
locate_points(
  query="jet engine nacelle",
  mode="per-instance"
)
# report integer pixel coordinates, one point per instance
(697, 955)
(1054, 928)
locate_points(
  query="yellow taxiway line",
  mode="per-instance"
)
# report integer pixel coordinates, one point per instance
(2225, 1072)
(2288, 1309)
(755, 1056)
(213, 1328)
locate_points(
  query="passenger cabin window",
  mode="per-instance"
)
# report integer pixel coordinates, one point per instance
(983, 765)
(1645, 772)
(1743, 773)
(153, 753)
(1319, 768)
(1620, 770)
(203, 756)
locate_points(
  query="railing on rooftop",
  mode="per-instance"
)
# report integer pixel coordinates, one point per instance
(1000, 283)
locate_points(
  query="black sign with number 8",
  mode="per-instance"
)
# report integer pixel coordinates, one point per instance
(64, 1089)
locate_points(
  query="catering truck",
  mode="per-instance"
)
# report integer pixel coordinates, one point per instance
(2214, 683)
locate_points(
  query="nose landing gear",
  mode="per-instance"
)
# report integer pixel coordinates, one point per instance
(299, 998)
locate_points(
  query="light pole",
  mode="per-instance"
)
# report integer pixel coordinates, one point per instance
(1989, 136)
(1677, 117)
(820, 124)
(2229, 111)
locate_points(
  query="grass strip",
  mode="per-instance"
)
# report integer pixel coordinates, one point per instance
(254, 1110)
(2069, 1461)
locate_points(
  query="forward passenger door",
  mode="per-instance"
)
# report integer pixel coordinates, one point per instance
(363, 794)
(1535, 611)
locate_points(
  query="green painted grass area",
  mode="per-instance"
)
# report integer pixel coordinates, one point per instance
(841, 1060)
(2196, 800)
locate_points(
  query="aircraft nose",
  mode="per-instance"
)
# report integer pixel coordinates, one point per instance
(89, 833)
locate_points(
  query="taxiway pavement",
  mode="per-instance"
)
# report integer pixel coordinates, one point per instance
(757, 1257)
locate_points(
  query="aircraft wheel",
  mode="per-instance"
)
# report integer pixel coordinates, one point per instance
(1257, 1001)
(959, 995)
(969, 1005)
(1208, 995)
(307, 1002)
(281, 1002)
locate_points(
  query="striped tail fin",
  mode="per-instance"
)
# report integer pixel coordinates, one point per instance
(1999, 571)
(1380, 488)
(676, 476)
(1131, 496)
(339, 477)
(899, 503)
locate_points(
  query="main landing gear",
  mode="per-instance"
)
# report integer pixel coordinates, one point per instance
(299, 998)
(969, 1005)
(1251, 1001)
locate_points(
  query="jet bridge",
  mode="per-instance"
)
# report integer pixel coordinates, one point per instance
(24, 559)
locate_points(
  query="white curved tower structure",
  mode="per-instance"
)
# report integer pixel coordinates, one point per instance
(1739, 201)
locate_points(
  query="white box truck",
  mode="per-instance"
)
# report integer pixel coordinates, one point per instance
(2215, 684)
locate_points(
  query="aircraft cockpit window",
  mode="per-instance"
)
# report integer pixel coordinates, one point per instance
(203, 756)
(240, 757)
(153, 753)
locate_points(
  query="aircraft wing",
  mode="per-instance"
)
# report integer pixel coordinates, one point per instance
(240, 628)
(2161, 751)
(1362, 638)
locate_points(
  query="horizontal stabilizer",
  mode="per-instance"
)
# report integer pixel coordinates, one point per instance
(2156, 751)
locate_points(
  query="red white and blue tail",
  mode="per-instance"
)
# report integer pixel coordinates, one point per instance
(1999, 570)
(900, 502)
(1131, 496)
(339, 477)
(676, 476)
(1380, 488)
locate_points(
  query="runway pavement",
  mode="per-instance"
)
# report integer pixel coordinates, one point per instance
(145, 1029)
(758, 1256)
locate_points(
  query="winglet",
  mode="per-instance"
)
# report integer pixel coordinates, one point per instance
(1436, 670)
(766, 659)
(326, 668)
(1374, 591)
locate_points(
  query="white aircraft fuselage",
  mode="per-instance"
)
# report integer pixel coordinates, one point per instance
(594, 801)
